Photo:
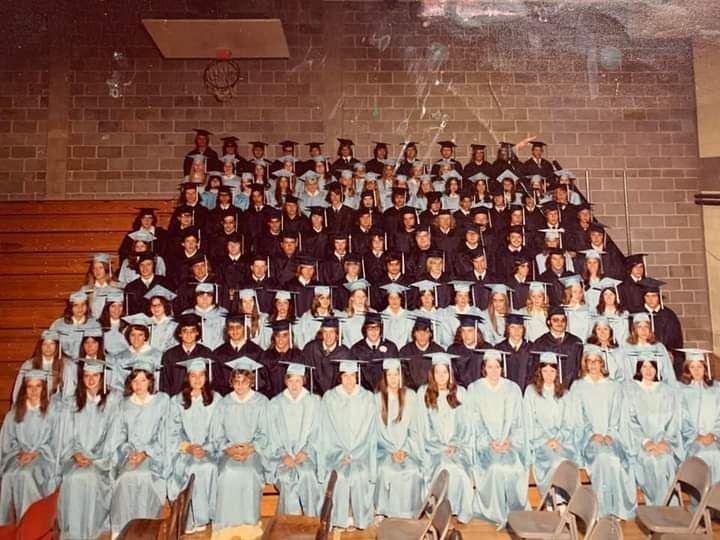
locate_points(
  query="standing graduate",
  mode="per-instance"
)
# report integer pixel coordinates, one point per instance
(654, 413)
(501, 454)
(202, 147)
(293, 418)
(700, 413)
(663, 320)
(323, 352)
(239, 439)
(85, 455)
(348, 444)
(548, 420)
(445, 426)
(189, 446)
(29, 447)
(398, 491)
(602, 437)
(139, 444)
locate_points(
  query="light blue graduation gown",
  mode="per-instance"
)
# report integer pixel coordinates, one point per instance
(212, 323)
(192, 426)
(449, 323)
(305, 329)
(293, 427)
(114, 341)
(27, 365)
(71, 334)
(616, 364)
(399, 487)
(666, 372)
(620, 326)
(441, 428)
(397, 328)
(121, 365)
(139, 491)
(348, 429)
(579, 321)
(654, 414)
(84, 505)
(701, 416)
(599, 409)
(501, 480)
(451, 203)
(127, 274)
(22, 485)
(208, 199)
(97, 296)
(162, 334)
(240, 422)
(548, 417)
(490, 335)
(351, 329)
(535, 326)
(307, 200)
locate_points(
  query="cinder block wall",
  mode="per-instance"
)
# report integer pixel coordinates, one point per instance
(364, 71)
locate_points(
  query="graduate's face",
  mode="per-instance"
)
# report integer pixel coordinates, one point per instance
(549, 374)
(537, 152)
(258, 152)
(136, 338)
(115, 310)
(185, 219)
(537, 298)
(146, 268)
(408, 220)
(198, 168)
(393, 266)
(247, 305)
(234, 248)
(241, 384)
(609, 297)
(358, 299)
(422, 239)
(499, 302)
(411, 153)
(199, 270)
(157, 308)
(320, 167)
(79, 309)
(577, 294)
(479, 155)
(377, 243)
(340, 245)
(648, 371)
(638, 270)
(324, 301)
(188, 335)
(561, 196)
(235, 331)
(468, 334)
(190, 244)
(643, 330)
(652, 300)
(98, 270)
(204, 300)
(228, 224)
(426, 299)
(392, 378)
(282, 306)
(291, 209)
(228, 167)
(140, 247)
(48, 348)
(373, 332)
(523, 270)
(595, 366)
(348, 381)
(191, 196)
(294, 384)
(515, 240)
(288, 245)
(472, 237)
(515, 331)
(256, 197)
(435, 265)
(329, 336)
(259, 171)
(557, 323)
(557, 262)
(282, 339)
(446, 152)
(493, 370)
(394, 301)
(345, 150)
(592, 265)
(258, 268)
(441, 374)
(462, 299)
(516, 217)
(552, 241)
(352, 269)
(91, 346)
(92, 382)
(146, 221)
(197, 379)
(422, 336)
(552, 217)
(140, 384)
(479, 264)
(33, 390)
(697, 370)
(603, 332)
(584, 216)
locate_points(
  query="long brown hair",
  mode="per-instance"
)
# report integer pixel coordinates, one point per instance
(21, 401)
(130, 378)
(595, 340)
(633, 337)
(601, 302)
(382, 389)
(81, 389)
(537, 383)
(432, 392)
(57, 364)
(207, 393)
(686, 378)
(68, 312)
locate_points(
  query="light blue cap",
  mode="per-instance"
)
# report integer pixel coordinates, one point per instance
(159, 290)
(244, 362)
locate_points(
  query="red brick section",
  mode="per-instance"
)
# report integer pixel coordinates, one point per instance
(399, 78)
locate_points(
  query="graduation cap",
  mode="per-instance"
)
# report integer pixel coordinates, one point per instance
(447, 144)
(372, 317)
(516, 318)
(142, 236)
(282, 173)
(565, 173)
(537, 286)
(556, 310)
(536, 144)
(497, 355)
(468, 320)
(651, 285)
(294, 368)
(203, 132)
(641, 317)
(389, 162)
(507, 173)
(592, 254)
(551, 358)
(606, 283)
(309, 176)
(230, 139)
(344, 173)
(499, 288)
(636, 258)
(423, 323)
(569, 281)
(359, 165)
(78, 296)
(479, 176)
(394, 288)
(92, 365)
(36, 375)
(451, 174)
(345, 142)
(258, 144)
(442, 358)
(198, 364)
(288, 143)
(474, 147)
(698, 355)
(379, 145)
(461, 285)
(357, 285)
(198, 158)
(410, 144)
(49, 335)
(245, 363)
(312, 145)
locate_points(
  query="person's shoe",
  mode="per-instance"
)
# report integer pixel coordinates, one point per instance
(191, 530)
(200, 528)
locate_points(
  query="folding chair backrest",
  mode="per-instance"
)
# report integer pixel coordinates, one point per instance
(38, 521)
(693, 478)
(701, 521)
(713, 498)
(606, 528)
(323, 532)
(436, 495)
(441, 519)
(565, 480)
(583, 506)
(179, 510)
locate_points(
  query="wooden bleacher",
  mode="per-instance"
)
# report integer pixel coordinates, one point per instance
(45, 249)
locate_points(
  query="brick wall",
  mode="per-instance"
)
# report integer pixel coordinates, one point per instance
(361, 72)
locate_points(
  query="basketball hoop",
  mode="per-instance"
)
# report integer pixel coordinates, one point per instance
(221, 75)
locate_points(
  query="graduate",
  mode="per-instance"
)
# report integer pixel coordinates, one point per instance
(162, 325)
(358, 306)
(91, 348)
(348, 444)
(74, 321)
(398, 491)
(189, 446)
(445, 426)
(603, 335)
(145, 220)
(608, 305)
(416, 353)
(212, 317)
(663, 320)
(449, 323)
(602, 436)
(548, 420)
(397, 325)
(46, 356)
(560, 341)
(276, 357)
(494, 315)
(147, 279)
(293, 418)
(322, 353)
(654, 413)
(517, 351)
(578, 313)
(254, 320)
(187, 333)
(236, 345)
(700, 411)
(139, 445)
(373, 347)
(85, 455)
(137, 335)
(99, 280)
(501, 458)
(468, 342)
(29, 447)
(535, 310)
(308, 325)
(642, 339)
(113, 325)
(140, 251)
(239, 438)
